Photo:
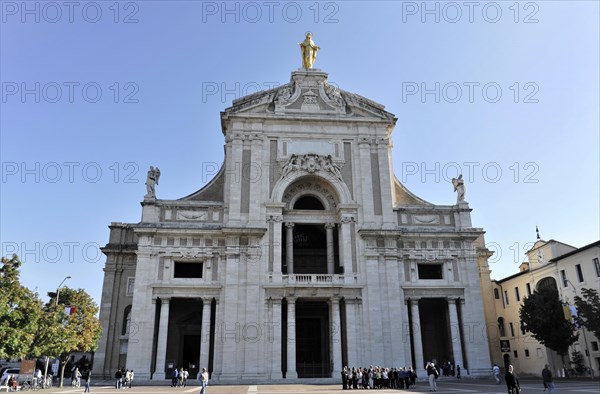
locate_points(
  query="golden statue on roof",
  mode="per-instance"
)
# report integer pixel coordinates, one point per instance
(309, 51)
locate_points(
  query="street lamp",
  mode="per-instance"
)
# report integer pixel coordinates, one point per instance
(58, 289)
(56, 303)
(584, 336)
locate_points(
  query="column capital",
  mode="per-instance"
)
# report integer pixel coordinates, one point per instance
(291, 299)
(289, 225)
(165, 300)
(329, 225)
(451, 300)
(207, 300)
(334, 300)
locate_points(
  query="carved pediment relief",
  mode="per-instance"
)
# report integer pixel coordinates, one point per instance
(312, 163)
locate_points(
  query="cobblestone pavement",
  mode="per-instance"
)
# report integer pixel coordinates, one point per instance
(444, 387)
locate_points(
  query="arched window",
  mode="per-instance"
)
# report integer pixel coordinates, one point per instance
(501, 326)
(309, 202)
(126, 320)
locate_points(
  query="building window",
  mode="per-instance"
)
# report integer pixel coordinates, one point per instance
(512, 329)
(579, 273)
(523, 330)
(594, 346)
(516, 354)
(563, 277)
(526, 352)
(188, 269)
(496, 294)
(501, 327)
(506, 297)
(597, 266)
(528, 286)
(430, 271)
(517, 294)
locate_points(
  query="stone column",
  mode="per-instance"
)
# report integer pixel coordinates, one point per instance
(161, 345)
(336, 339)
(455, 333)
(205, 334)
(330, 248)
(351, 332)
(289, 252)
(276, 338)
(291, 339)
(345, 246)
(417, 340)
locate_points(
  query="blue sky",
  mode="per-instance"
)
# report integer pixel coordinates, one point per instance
(94, 93)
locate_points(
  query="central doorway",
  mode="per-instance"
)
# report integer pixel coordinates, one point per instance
(435, 330)
(312, 339)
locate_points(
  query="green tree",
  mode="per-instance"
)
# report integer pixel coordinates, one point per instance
(543, 315)
(588, 310)
(62, 333)
(578, 363)
(20, 310)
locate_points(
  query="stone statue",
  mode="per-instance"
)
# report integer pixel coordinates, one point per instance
(459, 187)
(309, 51)
(151, 182)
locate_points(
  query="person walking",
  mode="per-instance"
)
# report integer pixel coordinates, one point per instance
(432, 375)
(547, 379)
(496, 373)
(87, 374)
(512, 382)
(204, 380)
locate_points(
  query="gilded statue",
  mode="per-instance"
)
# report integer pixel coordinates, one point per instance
(309, 51)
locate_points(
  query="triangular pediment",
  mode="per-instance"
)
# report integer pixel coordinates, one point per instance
(309, 93)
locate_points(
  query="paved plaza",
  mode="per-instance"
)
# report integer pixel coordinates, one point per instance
(448, 386)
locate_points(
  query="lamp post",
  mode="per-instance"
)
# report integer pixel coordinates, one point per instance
(56, 303)
(58, 289)
(587, 353)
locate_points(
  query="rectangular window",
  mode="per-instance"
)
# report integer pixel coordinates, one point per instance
(528, 289)
(597, 266)
(579, 273)
(188, 269)
(506, 297)
(517, 296)
(563, 277)
(512, 329)
(516, 354)
(526, 352)
(523, 330)
(430, 271)
(496, 294)
(594, 346)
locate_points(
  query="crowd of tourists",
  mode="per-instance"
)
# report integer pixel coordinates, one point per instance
(378, 378)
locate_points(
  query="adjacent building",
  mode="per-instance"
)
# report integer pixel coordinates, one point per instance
(552, 263)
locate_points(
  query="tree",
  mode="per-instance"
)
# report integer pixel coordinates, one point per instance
(588, 310)
(20, 310)
(578, 363)
(63, 331)
(542, 314)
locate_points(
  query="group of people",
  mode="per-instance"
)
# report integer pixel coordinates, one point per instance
(124, 378)
(179, 377)
(378, 378)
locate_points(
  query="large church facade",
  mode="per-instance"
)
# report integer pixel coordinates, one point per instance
(303, 255)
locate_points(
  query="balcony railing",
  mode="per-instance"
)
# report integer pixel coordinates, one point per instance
(315, 279)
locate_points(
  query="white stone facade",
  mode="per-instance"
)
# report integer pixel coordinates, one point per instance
(304, 254)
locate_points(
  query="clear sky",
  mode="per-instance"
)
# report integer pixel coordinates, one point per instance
(93, 93)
